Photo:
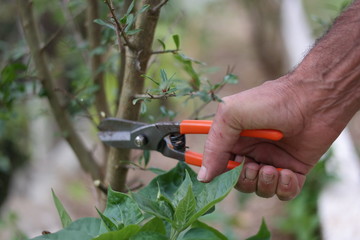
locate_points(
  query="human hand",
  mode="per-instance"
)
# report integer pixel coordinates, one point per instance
(279, 105)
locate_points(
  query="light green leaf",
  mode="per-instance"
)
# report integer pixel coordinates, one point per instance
(157, 171)
(263, 233)
(64, 216)
(133, 32)
(231, 78)
(131, 7)
(105, 24)
(123, 234)
(122, 209)
(176, 39)
(83, 228)
(144, 8)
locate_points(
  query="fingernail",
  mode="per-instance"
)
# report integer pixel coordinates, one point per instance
(250, 174)
(268, 178)
(202, 174)
(285, 179)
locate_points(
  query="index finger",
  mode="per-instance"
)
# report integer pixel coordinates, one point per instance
(219, 143)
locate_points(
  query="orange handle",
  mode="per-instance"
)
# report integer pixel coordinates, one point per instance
(203, 127)
(194, 158)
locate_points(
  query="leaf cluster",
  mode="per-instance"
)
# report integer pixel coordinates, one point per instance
(168, 208)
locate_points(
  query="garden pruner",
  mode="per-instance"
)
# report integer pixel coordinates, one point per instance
(167, 137)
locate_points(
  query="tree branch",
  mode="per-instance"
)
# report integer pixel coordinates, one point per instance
(166, 51)
(94, 37)
(41, 64)
(137, 61)
(160, 5)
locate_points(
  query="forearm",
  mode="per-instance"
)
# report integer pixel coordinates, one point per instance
(330, 73)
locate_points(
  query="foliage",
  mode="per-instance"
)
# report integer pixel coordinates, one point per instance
(168, 208)
(302, 219)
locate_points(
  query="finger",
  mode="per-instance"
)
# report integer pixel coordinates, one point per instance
(220, 142)
(289, 185)
(248, 177)
(267, 181)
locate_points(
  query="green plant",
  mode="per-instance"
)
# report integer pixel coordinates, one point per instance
(168, 208)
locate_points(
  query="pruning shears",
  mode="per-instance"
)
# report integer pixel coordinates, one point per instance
(167, 138)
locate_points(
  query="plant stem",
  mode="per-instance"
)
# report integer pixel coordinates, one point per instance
(136, 64)
(174, 234)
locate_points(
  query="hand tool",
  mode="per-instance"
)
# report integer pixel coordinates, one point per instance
(167, 137)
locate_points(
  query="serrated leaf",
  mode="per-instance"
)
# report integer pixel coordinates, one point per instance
(123, 234)
(176, 39)
(262, 234)
(122, 209)
(162, 44)
(105, 24)
(64, 216)
(83, 228)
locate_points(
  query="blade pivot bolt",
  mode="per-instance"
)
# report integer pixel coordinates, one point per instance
(140, 140)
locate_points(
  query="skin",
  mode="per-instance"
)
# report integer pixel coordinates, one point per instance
(310, 105)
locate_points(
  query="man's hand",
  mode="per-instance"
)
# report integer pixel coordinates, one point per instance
(276, 105)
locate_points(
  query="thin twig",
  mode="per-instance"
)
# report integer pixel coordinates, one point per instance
(166, 51)
(160, 5)
(119, 28)
(151, 96)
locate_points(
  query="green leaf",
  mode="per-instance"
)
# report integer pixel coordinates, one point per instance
(157, 171)
(131, 7)
(110, 225)
(133, 32)
(64, 216)
(144, 8)
(231, 78)
(121, 209)
(215, 191)
(185, 209)
(162, 44)
(146, 155)
(200, 234)
(149, 236)
(263, 233)
(176, 39)
(154, 225)
(83, 228)
(199, 224)
(123, 234)
(105, 24)
(189, 69)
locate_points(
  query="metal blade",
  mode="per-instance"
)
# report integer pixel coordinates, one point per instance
(118, 139)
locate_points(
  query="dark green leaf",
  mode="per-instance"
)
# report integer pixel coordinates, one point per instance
(200, 234)
(199, 224)
(188, 67)
(110, 225)
(263, 233)
(146, 155)
(176, 39)
(124, 234)
(149, 236)
(83, 228)
(133, 32)
(121, 208)
(162, 44)
(64, 216)
(105, 24)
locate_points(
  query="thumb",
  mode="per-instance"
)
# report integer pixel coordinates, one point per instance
(220, 141)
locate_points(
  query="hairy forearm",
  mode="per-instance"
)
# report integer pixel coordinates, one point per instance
(330, 73)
